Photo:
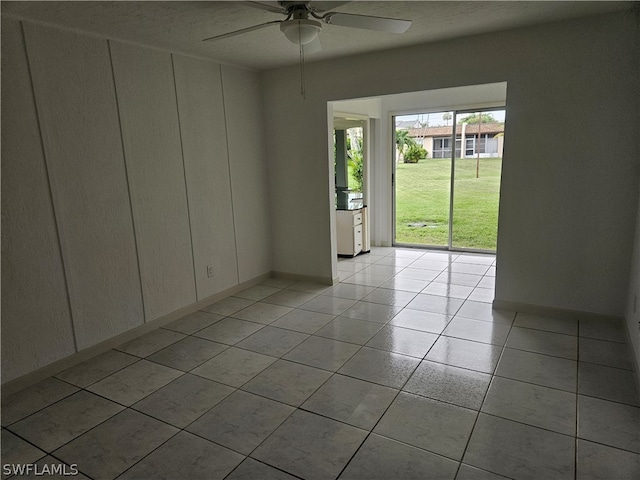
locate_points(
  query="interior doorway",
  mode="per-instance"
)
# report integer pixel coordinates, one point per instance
(350, 151)
(446, 179)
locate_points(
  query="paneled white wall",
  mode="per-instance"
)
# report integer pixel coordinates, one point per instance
(36, 318)
(74, 93)
(130, 170)
(153, 152)
(206, 165)
(248, 167)
(570, 171)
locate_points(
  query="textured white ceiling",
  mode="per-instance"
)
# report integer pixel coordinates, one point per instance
(180, 26)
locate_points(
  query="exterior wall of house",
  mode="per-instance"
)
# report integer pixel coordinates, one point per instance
(428, 145)
(566, 222)
(125, 172)
(426, 136)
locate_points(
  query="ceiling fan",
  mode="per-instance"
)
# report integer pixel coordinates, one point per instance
(304, 19)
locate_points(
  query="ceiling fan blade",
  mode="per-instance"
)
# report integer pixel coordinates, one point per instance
(268, 7)
(241, 31)
(320, 6)
(380, 24)
(313, 46)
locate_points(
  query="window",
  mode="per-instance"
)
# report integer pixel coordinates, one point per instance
(486, 145)
(442, 147)
(470, 146)
(492, 147)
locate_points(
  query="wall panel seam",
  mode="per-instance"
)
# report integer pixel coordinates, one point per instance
(126, 170)
(50, 189)
(226, 133)
(184, 176)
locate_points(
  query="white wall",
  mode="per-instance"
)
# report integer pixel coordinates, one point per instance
(632, 315)
(248, 167)
(567, 212)
(153, 155)
(80, 263)
(31, 260)
(302, 200)
(206, 167)
(117, 189)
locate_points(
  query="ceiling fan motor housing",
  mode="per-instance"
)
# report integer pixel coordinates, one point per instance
(292, 5)
(300, 31)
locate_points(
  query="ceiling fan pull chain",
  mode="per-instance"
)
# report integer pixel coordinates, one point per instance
(303, 92)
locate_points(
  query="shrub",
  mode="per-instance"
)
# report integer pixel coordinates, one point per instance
(357, 172)
(415, 153)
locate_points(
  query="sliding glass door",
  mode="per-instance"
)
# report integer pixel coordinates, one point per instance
(447, 178)
(476, 179)
(422, 179)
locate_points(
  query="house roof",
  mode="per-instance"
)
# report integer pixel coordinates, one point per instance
(406, 124)
(442, 131)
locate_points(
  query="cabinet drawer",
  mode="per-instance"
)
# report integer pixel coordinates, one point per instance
(349, 230)
(357, 239)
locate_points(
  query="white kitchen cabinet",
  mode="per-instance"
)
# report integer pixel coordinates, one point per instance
(350, 233)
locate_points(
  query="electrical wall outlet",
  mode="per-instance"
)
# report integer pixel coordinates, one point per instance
(209, 271)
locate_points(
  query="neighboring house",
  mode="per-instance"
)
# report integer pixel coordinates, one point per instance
(407, 124)
(437, 140)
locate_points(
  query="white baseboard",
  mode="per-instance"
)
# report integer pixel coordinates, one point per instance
(551, 311)
(306, 278)
(54, 368)
(572, 315)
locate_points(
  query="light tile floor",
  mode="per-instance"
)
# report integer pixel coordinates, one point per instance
(401, 371)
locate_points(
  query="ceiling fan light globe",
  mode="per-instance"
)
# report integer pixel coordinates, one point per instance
(300, 32)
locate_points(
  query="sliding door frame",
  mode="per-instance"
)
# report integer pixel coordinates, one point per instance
(394, 162)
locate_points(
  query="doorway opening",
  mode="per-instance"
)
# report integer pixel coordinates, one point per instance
(350, 152)
(446, 179)
(349, 161)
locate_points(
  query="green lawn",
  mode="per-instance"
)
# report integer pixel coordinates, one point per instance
(422, 203)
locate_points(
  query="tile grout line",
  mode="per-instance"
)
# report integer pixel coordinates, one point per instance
(369, 432)
(484, 397)
(47, 406)
(394, 399)
(333, 373)
(397, 394)
(400, 391)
